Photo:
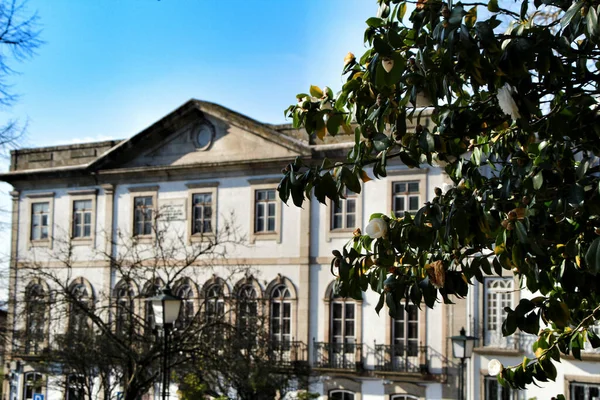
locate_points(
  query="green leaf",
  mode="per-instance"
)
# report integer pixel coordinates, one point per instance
(493, 6)
(401, 11)
(381, 141)
(350, 180)
(538, 180)
(476, 156)
(524, 6)
(592, 256)
(571, 12)
(316, 91)
(509, 326)
(333, 123)
(593, 338)
(471, 17)
(380, 303)
(577, 345)
(521, 232)
(375, 22)
(592, 22)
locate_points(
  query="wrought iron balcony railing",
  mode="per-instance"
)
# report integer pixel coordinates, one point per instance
(347, 356)
(288, 353)
(401, 358)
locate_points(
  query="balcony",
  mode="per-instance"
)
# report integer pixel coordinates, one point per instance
(340, 356)
(288, 354)
(401, 359)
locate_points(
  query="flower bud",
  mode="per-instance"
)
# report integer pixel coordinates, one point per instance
(387, 64)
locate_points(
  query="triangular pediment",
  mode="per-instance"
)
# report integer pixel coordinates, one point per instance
(201, 133)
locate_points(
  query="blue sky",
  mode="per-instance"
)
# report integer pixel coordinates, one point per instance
(110, 68)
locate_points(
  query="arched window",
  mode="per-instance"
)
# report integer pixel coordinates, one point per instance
(187, 311)
(151, 288)
(35, 313)
(214, 304)
(75, 387)
(124, 305)
(403, 397)
(33, 384)
(247, 308)
(281, 315)
(498, 295)
(81, 302)
(341, 395)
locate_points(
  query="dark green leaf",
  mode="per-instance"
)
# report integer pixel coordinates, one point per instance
(592, 256)
(571, 12)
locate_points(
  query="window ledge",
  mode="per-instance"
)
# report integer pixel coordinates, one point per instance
(143, 239)
(265, 236)
(82, 241)
(40, 243)
(345, 233)
(197, 238)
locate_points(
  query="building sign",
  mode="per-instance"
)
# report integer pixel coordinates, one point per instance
(171, 210)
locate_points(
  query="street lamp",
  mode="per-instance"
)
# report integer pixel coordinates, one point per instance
(462, 348)
(166, 310)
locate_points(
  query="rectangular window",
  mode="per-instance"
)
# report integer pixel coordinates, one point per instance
(82, 218)
(584, 391)
(344, 215)
(265, 204)
(202, 213)
(495, 391)
(405, 197)
(143, 214)
(40, 217)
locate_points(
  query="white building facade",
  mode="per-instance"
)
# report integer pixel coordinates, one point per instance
(200, 164)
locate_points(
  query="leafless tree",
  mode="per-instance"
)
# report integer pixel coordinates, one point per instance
(104, 340)
(19, 41)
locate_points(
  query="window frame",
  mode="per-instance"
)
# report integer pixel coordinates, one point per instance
(343, 206)
(358, 315)
(42, 298)
(512, 395)
(406, 339)
(188, 302)
(343, 233)
(42, 387)
(343, 392)
(144, 191)
(84, 325)
(280, 320)
(581, 380)
(83, 195)
(408, 176)
(255, 186)
(507, 342)
(37, 198)
(195, 189)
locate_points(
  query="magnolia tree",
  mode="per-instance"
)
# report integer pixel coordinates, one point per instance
(513, 92)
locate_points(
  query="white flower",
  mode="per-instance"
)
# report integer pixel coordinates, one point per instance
(387, 64)
(506, 101)
(377, 228)
(495, 367)
(446, 187)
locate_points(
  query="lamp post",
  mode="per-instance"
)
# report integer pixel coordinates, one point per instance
(462, 348)
(166, 310)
